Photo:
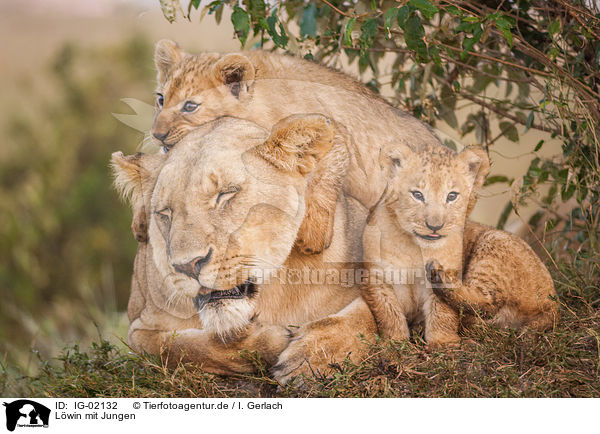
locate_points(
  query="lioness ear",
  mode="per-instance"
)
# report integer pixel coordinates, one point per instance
(166, 54)
(394, 155)
(235, 71)
(135, 175)
(478, 164)
(298, 142)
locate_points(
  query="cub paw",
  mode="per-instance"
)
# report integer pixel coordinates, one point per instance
(315, 231)
(438, 278)
(399, 333)
(435, 273)
(453, 342)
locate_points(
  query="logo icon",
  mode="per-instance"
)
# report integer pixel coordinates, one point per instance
(26, 413)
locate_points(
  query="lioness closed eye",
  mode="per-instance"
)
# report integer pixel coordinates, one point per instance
(421, 222)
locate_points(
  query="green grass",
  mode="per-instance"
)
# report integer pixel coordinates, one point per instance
(490, 362)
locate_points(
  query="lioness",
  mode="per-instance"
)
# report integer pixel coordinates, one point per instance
(430, 193)
(266, 87)
(226, 205)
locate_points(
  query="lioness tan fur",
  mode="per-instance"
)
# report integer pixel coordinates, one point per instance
(266, 87)
(422, 218)
(224, 209)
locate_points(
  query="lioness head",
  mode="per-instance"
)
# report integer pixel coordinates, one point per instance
(433, 189)
(195, 89)
(226, 205)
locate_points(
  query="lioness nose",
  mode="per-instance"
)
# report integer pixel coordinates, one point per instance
(193, 268)
(434, 228)
(160, 135)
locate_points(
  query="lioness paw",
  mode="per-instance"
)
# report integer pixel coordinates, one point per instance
(293, 363)
(272, 340)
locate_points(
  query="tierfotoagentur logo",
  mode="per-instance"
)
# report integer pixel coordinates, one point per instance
(25, 413)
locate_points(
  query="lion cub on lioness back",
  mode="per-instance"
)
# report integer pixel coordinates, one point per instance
(420, 222)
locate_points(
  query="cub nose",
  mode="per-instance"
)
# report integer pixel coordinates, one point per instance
(434, 228)
(193, 268)
(160, 135)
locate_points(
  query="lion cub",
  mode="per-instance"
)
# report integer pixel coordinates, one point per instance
(420, 222)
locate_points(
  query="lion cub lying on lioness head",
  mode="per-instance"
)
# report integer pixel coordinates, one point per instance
(420, 222)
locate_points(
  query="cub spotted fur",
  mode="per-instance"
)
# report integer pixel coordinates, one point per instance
(421, 219)
(266, 87)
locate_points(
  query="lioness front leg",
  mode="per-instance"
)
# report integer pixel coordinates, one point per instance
(210, 352)
(320, 343)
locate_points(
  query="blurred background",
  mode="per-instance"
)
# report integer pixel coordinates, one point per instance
(66, 249)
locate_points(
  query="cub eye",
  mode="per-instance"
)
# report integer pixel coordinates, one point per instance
(418, 195)
(160, 99)
(452, 196)
(189, 106)
(164, 215)
(227, 194)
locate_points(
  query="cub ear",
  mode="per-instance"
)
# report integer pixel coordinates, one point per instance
(234, 71)
(478, 164)
(298, 142)
(135, 175)
(394, 155)
(166, 54)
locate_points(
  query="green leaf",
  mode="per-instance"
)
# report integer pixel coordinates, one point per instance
(450, 144)
(348, 31)
(554, 27)
(369, 30)
(510, 131)
(280, 39)
(390, 16)
(454, 11)
(529, 121)
(427, 8)
(504, 22)
(504, 216)
(195, 3)
(308, 23)
(468, 44)
(567, 193)
(496, 179)
(414, 34)
(508, 36)
(465, 27)
(538, 146)
(402, 16)
(434, 53)
(373, 85)
(241, 23)
(561, 176)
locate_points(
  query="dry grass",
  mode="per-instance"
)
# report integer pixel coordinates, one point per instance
(490, 363)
